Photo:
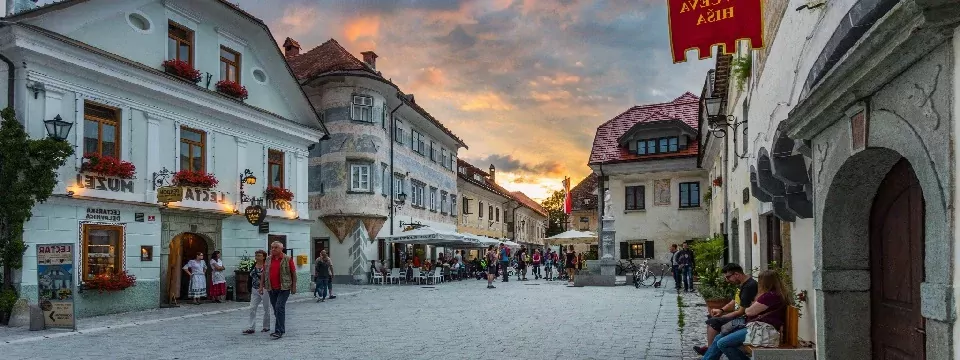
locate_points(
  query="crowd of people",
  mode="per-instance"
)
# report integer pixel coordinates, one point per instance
(498, 261)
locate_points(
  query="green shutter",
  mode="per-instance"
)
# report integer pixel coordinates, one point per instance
(624, 250)
(648, 250)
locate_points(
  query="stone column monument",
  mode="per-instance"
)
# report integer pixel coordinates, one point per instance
(607, 238)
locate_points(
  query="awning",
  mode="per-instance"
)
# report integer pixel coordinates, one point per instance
(430, 236)
(483, 241)
(572, 237)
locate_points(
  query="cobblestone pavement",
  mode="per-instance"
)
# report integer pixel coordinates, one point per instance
(694, 330)
(518, 320)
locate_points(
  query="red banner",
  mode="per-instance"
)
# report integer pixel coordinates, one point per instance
(567, 200)
(701, 24)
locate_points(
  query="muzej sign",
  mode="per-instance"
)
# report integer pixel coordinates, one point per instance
(255, 214)
(700, 24)
(55, 280)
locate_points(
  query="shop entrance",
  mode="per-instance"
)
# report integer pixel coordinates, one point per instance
(183, 248)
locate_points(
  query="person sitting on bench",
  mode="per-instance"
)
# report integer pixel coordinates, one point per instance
(770, 307)
(732, 311)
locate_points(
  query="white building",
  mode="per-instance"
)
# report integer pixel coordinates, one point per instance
(850, 145)
(388, 163)
(647, 157)
(97, 64)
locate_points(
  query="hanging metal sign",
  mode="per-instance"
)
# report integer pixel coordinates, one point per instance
(255, 214)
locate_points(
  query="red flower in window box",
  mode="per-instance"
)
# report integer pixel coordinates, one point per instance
(105, 165)
(110, 282)
(232, 88)
(181, 69)
(198, 179)
(278, 193)
(718, 181)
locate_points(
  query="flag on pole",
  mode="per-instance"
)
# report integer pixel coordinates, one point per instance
(567, 199)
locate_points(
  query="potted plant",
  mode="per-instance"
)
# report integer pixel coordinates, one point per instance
(105, 165)
(110, 282)
(232, 88)
(718, 181)
(708, 196)
(708, 253)
(181, 69)
(188, 178)
(243, 277)
(278, 193)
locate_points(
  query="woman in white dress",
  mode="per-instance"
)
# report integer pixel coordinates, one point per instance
(218, 289)
(197, 269)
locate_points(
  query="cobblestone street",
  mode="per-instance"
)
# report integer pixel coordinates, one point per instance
(528, 320)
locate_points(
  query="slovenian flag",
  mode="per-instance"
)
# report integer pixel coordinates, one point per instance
(567, 199)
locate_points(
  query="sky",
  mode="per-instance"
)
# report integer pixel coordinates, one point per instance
(524, 83)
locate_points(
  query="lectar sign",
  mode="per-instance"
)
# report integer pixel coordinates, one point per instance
(55, 280)
(701, 24)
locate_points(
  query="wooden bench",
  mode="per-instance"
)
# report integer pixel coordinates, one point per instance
(789, 338)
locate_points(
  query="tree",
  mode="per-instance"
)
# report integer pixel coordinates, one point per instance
(557, 218)
(28, 174)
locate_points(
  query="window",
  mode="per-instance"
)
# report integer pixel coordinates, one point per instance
(102, 250)
(229, 64)
(359, 177)
(397, 186)
(466, 206)
(480, 211)
(477, 177)
(384, 181)
(443, 202)
(659, 146)
(642, 249)
(193, 150)
(498, 214)
(179, 43)
(362, 109)
(689, 194)
(416, 142)
(635, 199)
(383, 118)
(433, 199)
(433, 152)
(101, 130)
(443, 159)
(453, 205)
(275, 168)
(417, 189)
(490, 212)
(398, 133)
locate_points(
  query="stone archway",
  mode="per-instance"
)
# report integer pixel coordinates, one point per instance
(174, 223)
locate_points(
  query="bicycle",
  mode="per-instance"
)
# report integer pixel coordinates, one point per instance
(643, 276)
(626, 267)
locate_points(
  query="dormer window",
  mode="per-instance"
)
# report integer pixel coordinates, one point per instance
(662, 145)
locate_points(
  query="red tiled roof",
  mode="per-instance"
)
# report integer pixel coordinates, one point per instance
(486, 184)
(606, 148)
(327, 57)
(582, 195)
(529, 203)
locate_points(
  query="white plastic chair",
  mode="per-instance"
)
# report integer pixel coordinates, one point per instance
(376, 276)
(395, 275)
(438, 275)
(417, 275)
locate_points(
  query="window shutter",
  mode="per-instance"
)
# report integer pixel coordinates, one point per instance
(633, 146)
(642, 197)
(629, 201)
(648, 250)
(624, 250)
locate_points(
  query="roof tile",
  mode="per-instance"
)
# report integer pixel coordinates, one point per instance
(606, 148)
(529, 203)
(583, 196)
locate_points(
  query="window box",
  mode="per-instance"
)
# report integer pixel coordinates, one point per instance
(232, 89)
(105, 165)
(181, 69)
(278, 193)
(110, 282)
(188, 178)
(718, 181)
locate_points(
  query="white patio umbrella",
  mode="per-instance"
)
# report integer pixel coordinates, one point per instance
(510, 243)
(572, 237)
(430, 236)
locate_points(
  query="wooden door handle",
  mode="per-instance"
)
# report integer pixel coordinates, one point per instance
(921, 331)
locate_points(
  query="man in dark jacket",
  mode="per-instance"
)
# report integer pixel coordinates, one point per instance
(686, 265)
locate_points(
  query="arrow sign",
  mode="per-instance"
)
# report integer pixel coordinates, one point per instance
(51, 316)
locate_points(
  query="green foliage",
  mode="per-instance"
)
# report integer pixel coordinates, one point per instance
(680, 316)
(557, 218)
(8, 298)
(741, 68)
(708, 253)
(28, 174)
(708, 195)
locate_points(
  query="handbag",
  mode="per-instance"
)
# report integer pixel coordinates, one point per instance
(733, 325)
(761, 334)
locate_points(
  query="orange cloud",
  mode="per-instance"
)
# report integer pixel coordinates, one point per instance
(362, 31)
(427, 78)
(561, 79)
(485, 101)
(553, 95)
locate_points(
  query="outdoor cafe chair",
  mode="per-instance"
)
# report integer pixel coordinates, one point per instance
(437, 275)
(417, 275)
(395, 275)
(376, 276)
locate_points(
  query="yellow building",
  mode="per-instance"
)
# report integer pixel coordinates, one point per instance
(483, 203)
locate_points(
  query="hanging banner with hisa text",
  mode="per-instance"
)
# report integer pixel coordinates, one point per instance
(701, 24)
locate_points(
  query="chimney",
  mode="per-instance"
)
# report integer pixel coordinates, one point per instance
(370, 58)
(493, 173)
(291, 48)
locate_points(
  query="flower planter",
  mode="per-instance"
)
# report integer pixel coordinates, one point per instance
(716, 303)
(278, 193)
(232, 89)
(109, 283)
(182, 69)
(107, 166)
(187, 178)
(242, 281)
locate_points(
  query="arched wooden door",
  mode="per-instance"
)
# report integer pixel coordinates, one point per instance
(896, 266)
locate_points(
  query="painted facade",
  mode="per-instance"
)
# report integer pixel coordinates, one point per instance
(382, 147)
(98, 65)
(483, 203)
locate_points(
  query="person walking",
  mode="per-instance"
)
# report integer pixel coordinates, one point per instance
(675, 266)
(491, 260)
(321, 274)
(218, 289)
(537, 258)
(330, 294)
(522, 263)
(505, 261)
(570, 264)
(196, 269)
(281, 282)
(257, 296)
(548, 265)
(686, 265)
(459, 263)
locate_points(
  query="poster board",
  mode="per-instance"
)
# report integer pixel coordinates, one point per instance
(56, 285)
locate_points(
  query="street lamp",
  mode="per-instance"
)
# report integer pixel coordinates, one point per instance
(247, 178)
(718, 124)
(57, 128)
(398, 202)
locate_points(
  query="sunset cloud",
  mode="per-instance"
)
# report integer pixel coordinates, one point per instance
(298, 20)
(485, 101)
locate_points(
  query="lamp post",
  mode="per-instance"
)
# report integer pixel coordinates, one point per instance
(719, 124)
(247, 178)
(58, 129)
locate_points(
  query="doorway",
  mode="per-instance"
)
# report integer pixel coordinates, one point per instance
(896, 266)
(748, 244)
(774, 242)
(320, 244)
(183, 248)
